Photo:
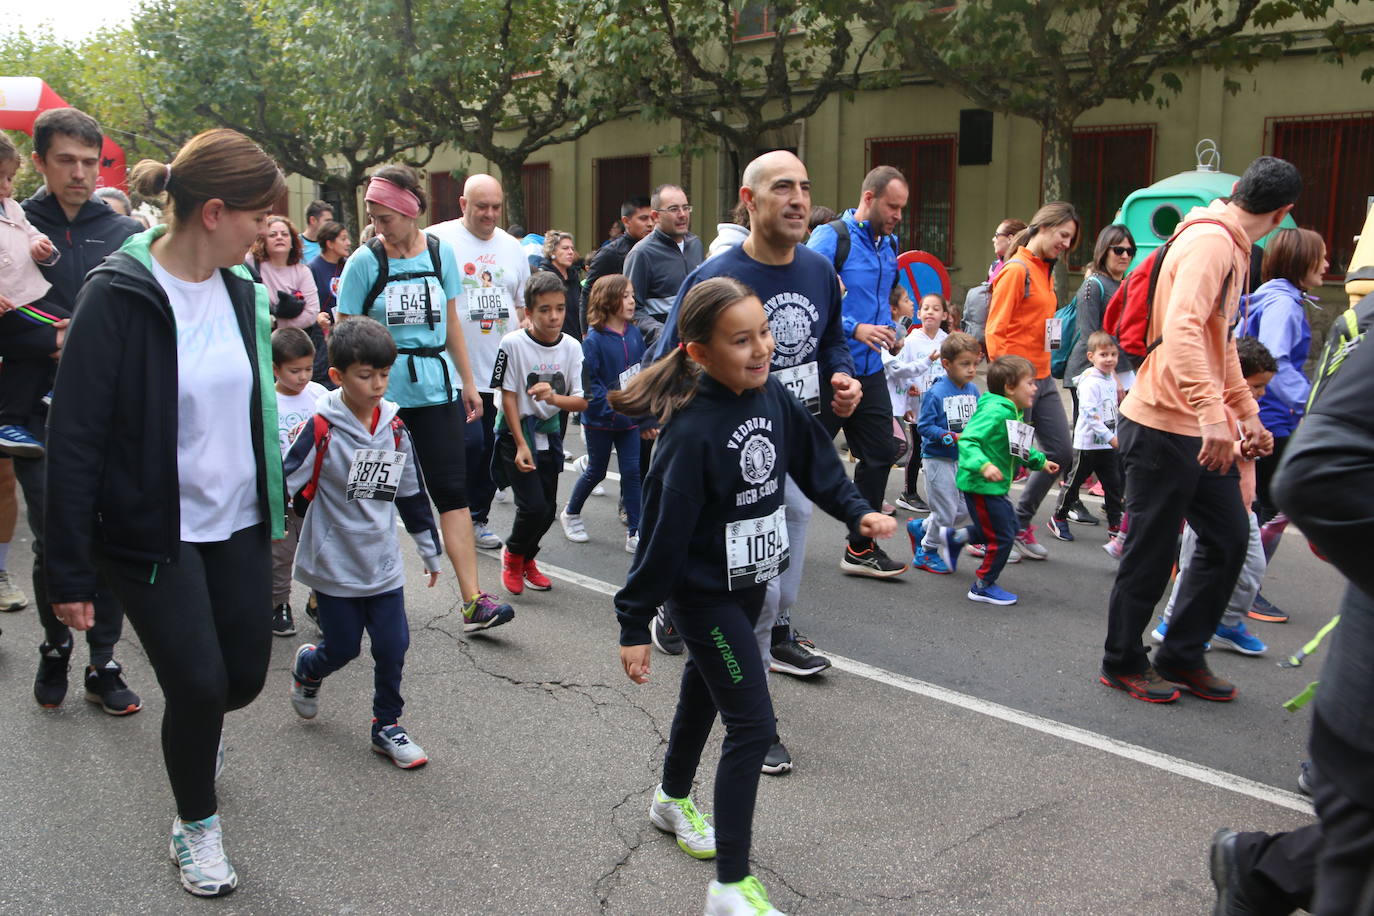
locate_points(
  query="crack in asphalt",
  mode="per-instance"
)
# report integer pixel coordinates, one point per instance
(996, 823)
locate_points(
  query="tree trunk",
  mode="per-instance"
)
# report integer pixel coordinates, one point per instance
(510, 165)
(1058, 153)
(352, 217)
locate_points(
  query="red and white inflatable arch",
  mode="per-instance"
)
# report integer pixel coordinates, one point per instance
(23, 98)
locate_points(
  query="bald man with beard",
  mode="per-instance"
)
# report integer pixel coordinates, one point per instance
(495, 271)
(801, 296)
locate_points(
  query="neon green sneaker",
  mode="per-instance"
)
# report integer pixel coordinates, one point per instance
(743, 898)
(679, 816)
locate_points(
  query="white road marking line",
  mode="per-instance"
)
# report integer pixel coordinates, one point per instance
(1168, 763)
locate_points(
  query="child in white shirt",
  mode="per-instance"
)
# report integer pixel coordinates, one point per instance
(921, 355)
(1094, 438)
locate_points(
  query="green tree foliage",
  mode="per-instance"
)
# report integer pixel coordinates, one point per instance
(684, 59)
(1053, 60)
(99, 75)
(499, 78)
(275, 71)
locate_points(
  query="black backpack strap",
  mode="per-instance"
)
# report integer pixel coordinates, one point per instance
(378, 250)
(842, 243)
(434, 257)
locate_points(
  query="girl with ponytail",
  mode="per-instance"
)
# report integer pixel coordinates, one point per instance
(713, 534)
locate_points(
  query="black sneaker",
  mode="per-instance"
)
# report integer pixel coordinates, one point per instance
(871, 562)
(777, 761)
(793, 656)
(283, 624)
(912, 503)
(105, 687)
(664, 637)
(1226, 877)
(50, 686)
(312, 609)
(1079, 514)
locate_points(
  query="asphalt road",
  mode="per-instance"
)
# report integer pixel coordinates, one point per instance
(919, 786)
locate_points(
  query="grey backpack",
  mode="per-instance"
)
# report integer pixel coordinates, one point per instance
(976, 305)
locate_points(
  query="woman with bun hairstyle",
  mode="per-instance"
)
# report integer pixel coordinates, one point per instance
(1020, 323)
(432, 379)
(163, 447)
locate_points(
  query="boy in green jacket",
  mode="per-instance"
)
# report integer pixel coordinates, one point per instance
(990, 448)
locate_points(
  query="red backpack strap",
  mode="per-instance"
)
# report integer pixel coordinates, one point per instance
(321, 431)
(396, 427)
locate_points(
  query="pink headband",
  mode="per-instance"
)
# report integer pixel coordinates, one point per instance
(390, 194)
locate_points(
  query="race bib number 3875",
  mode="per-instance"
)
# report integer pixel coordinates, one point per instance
(756, 549)
(375, 474)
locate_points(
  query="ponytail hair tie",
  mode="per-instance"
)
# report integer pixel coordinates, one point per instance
(681, 345)
(167, 183)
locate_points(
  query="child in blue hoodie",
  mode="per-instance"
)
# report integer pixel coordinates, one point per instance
(612, 353)
(353, 466)
(946, 408)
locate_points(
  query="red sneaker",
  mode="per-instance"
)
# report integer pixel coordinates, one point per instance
(512, 572)
(537, 580)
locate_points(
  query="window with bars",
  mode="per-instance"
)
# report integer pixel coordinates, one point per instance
(536, 180)
(1332, 153)
(928, 164)
(1106, 164)
(755, 19)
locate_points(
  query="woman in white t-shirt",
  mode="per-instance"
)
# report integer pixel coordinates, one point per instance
(165, 465)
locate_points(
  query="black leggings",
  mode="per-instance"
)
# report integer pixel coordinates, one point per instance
(724, 672)
(206, 624)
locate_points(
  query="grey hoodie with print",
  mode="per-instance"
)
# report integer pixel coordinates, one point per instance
(348, 546)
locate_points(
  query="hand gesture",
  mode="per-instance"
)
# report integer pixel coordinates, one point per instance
(847, 391)
(635, 661)
(877, 337)
(991, 472)
(433, 577)
(1051, 467)
(877, 525)
(542, 391)
(41, 249)
(524, 461)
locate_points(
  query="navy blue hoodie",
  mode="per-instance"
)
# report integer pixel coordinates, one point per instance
(95, 234)
(717, 476)
(606, 357)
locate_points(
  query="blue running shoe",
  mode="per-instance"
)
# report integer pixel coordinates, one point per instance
(949, 547)
(1158, 633)
(916, 530)
(18, 442)
(1059, 527)
(1239, 639)
(930, 561)
(990, 593)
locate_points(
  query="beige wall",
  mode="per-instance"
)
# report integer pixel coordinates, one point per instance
(833, 145)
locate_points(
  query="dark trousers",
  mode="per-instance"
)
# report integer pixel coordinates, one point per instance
(206, 623)
(32, 474)
(1325, 868)
(1106, 464)
(599, 445)
(994, 526)
(913, 462)
(26, 374)
(480, 443)
(1052, 433)
(342, 622)
(724, 673)
(536, 495)
(1264, 473)
(1166, 486)
(869, 434)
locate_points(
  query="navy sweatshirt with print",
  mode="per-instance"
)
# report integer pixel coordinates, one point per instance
(716, 482)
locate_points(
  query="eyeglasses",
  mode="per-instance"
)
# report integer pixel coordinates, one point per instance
(676, 210)
(1003, 235)
(1118, 250)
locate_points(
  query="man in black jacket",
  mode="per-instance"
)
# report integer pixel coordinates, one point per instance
(66, 152)
(1326, 485)
(638, 220)
(658, 263)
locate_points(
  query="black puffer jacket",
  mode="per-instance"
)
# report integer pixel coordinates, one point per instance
(84, 242)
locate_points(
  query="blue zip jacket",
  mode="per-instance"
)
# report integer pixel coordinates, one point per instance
(1276, 315)
(869, 273)
(933, 422)
(605, 356)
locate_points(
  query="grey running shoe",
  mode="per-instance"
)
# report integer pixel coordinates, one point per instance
(393, 742)
(305, 692)
(484, 537)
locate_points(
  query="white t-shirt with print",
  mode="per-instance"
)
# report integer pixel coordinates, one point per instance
(524, 361)
(493, 273)
(217, 474)
(295, 409)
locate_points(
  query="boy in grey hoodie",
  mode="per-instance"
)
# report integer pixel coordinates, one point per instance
(353, 466)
